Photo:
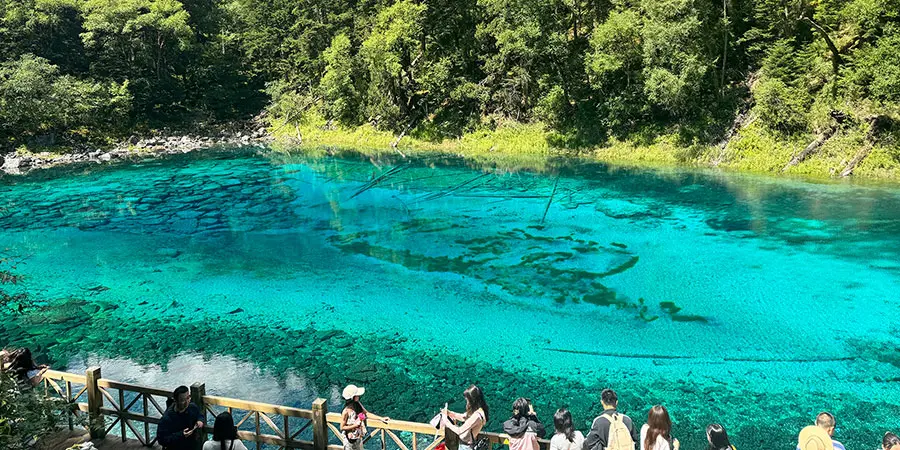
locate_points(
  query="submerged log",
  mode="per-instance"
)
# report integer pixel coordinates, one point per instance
(550, 200)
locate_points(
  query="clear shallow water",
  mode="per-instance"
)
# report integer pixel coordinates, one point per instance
(744, 300)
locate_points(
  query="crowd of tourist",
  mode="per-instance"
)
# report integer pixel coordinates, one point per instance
(611, 430)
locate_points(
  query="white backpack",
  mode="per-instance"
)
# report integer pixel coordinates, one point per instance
(619, 437)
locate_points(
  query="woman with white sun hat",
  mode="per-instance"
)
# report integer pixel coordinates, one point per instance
(353, 418)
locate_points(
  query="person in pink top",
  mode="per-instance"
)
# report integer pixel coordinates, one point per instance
(473, 420)
(523, 428)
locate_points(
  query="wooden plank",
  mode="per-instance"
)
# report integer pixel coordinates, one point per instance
(335, 430)
(130, 416)
(82, 391)
(146, 414)
(159, 409)
(69, 399)
(397, 440)
(56, 387)
(241, 422)
(394, 425)
(256, 406)
(271, 424)
(302, 429)
(275, 440)
(133, 388)
(65, 376)
(258, 446)
(95, 402)
(320, 424)
(109, 397)
(122, 402)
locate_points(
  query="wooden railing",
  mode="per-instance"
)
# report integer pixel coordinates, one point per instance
(134, 408)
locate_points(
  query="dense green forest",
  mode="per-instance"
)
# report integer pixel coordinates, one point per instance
(76, 71)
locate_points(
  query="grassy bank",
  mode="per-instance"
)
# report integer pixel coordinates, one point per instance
(513, 146)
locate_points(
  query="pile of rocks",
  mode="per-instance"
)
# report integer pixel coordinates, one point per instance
(159, 144)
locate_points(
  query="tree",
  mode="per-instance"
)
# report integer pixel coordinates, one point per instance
(142, 41)
(393, 57)
(615, 64)
(339, 94)
(35, 99)
(677, 56)
(46, 28)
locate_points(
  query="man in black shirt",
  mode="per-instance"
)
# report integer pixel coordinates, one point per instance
(181, 427)
(598, 437)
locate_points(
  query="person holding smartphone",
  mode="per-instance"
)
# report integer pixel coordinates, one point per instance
(181, 427)
(523, 427)
(353, 418)
(473, 420)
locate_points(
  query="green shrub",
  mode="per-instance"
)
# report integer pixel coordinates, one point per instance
(36, 100)
(25, 414)
(781, 107)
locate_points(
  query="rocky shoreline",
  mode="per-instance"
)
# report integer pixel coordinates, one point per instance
(158, 144)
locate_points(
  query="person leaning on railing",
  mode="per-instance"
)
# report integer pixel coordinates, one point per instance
(20, 363)
(523, 427)
(353, 418)
(656, 434)
(611, 430)
(475, 417)
(182, 424)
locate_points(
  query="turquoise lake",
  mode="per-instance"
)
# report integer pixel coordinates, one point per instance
(750, 301)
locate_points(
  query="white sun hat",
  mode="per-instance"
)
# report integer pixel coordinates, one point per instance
(352, 391)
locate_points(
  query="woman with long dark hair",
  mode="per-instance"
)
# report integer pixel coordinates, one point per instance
(656, 434)
(224, 435)
(718, 438)
(473, 419)
(566, 437)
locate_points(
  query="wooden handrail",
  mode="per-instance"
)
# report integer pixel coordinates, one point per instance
(106, 383)
(322, 434)
(256, 406)
(65, 376)
(392, 425)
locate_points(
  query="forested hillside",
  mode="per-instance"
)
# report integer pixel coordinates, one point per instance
(759, 73)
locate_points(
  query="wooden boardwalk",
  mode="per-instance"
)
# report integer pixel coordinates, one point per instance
(131, 412)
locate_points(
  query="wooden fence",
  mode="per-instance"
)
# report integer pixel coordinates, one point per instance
(106, 405)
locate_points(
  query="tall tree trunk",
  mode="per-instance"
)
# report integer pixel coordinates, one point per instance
(725, 43)
(836, 60)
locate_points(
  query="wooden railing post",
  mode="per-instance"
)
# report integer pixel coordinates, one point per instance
(96, 425)
(320, 424)
(198, 391)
